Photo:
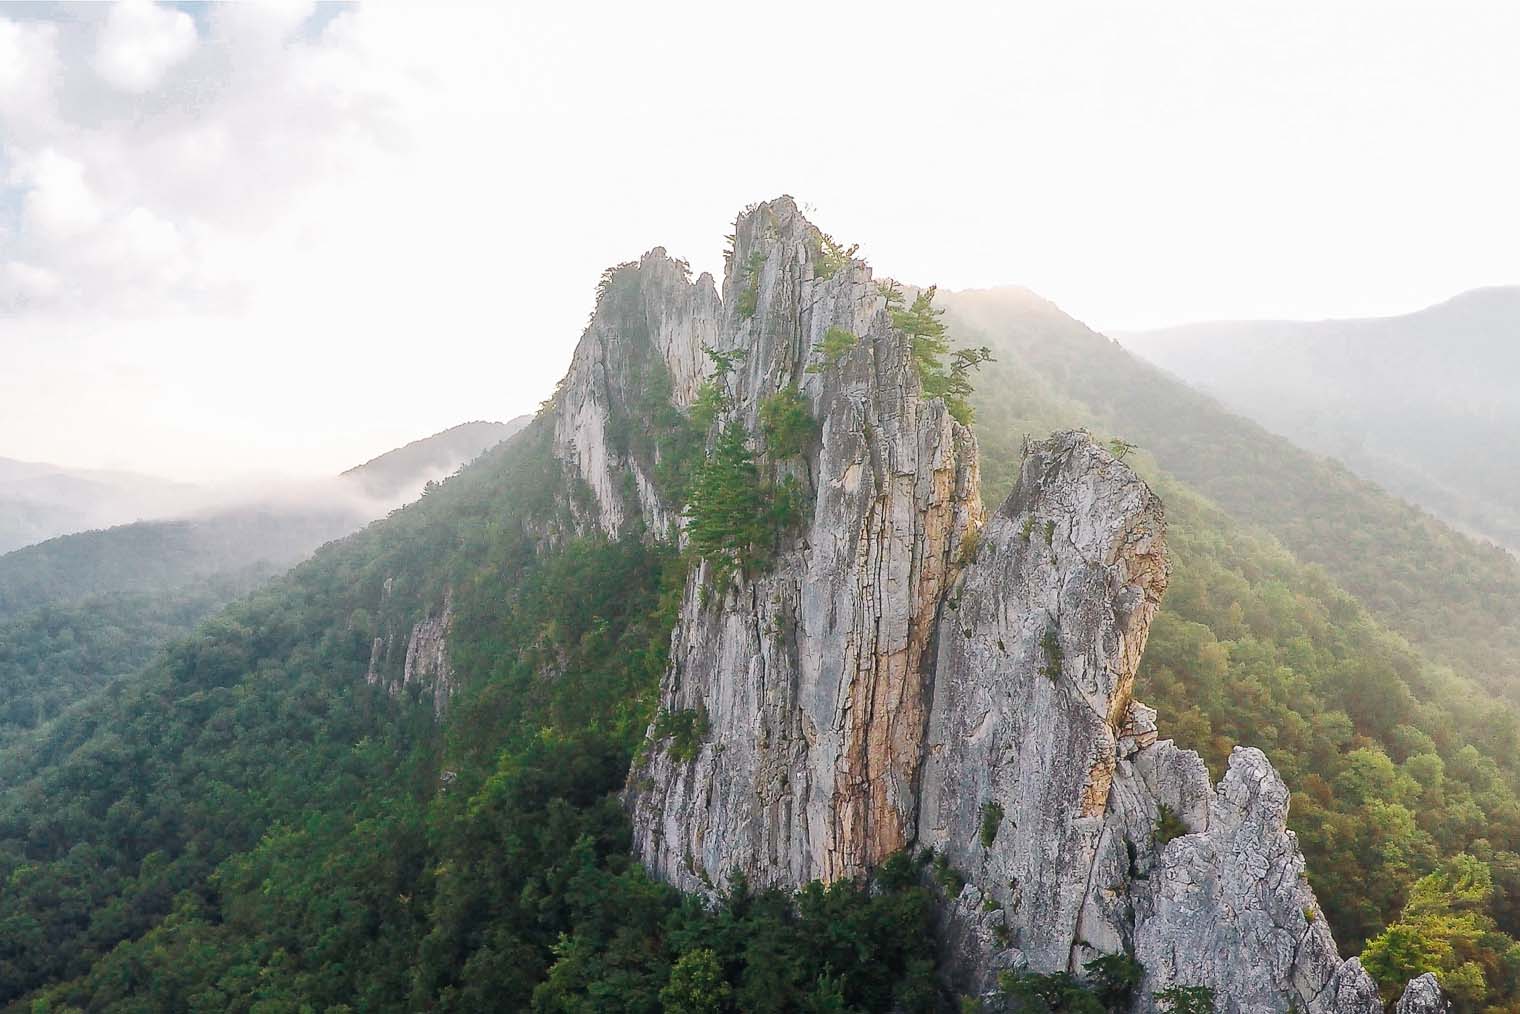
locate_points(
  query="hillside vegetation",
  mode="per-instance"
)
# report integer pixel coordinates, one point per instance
(248, 824)
(1422, 403)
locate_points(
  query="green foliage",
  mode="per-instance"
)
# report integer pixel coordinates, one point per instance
(711, 402)
(1121, 449)
(786, 423)
(1050, 647)
(1114, 979)
(1169, 825)
(56, 656)
(686, 730)
(165, 558)
(667, 443)
(970, 543)
(696, 985)
(829, 256)
(735, 518)
(921, 322)
(727, 511)
(836, 344)
(247, 826)
(992, 819)
(1186, 1000)
(1106, 987)
(749, 296)
(950, 878)
(1446, 927)
(1049, 993)
(713, 399)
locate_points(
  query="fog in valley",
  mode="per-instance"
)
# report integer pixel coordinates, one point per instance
(978, 508)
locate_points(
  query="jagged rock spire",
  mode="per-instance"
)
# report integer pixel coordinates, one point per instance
(899, 674)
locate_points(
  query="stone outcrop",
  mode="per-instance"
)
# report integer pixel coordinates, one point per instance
(906, 673)
(426, 668)
(427, 665)
(648, 331)
(1422, 996)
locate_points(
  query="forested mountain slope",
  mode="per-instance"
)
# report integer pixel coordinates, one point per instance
(275, 813)
(265, 825)
(1457, 598)
(54, 656)
(83, 609)
(1422, 403)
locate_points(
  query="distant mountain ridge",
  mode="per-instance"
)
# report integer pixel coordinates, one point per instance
(39, 501)
(1453, 596)
(1423, 403)
(394, 473)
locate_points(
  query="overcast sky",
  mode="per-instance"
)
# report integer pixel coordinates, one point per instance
(285, 239)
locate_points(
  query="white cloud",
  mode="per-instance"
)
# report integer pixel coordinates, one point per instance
(59, 202)
(285, 236)
(29, 71)
(27, 282)
(141, 42)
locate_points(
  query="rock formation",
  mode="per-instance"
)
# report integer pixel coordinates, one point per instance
(1422, 996)
(906, 673)
(425, 668)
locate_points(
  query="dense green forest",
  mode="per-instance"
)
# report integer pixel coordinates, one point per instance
(57, 655)
(248, 825)
(153, 557)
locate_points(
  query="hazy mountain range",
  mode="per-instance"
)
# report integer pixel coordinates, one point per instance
(1425, 404)
(39, 501)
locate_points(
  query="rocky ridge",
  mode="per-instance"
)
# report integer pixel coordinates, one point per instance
(909, 673)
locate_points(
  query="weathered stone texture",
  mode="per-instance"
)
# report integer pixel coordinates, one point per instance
(904, 663)
(1422, 996)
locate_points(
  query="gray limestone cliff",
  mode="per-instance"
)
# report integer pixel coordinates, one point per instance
(905, 672)
(425, 668)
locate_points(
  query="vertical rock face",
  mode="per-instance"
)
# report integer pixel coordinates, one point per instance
(645, 340)
(1032, 693)
(427, 656)
(426, 666)
(905, 673)
(812, 676)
